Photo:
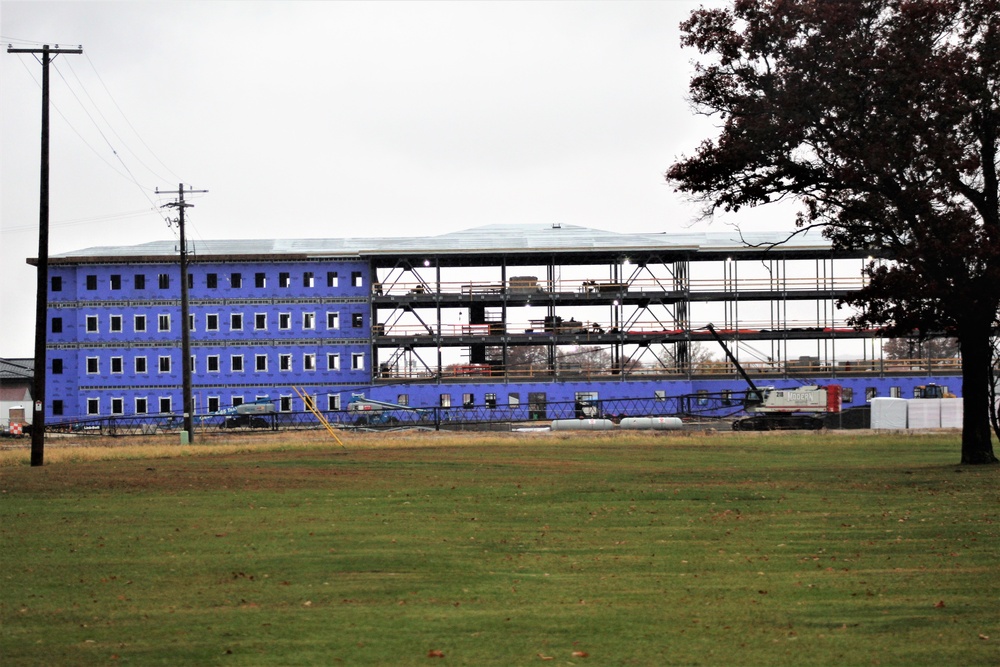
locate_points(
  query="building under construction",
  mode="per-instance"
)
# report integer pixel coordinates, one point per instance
(520, 315)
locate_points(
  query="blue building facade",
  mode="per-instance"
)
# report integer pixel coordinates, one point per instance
(257, 329)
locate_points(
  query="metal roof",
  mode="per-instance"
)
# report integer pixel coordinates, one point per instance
(489, 239)
(17, 369)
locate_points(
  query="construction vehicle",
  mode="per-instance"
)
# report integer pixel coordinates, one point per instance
(932, 391)
(782, 409)
(374, 412)
(259, 414)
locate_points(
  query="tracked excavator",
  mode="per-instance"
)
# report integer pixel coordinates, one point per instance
(782, 409)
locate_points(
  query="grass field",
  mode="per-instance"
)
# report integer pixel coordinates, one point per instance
(601, 549)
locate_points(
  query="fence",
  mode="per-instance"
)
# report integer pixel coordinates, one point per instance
(710, 406)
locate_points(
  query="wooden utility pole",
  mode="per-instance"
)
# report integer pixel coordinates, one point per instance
(42, 293)
(188, 401)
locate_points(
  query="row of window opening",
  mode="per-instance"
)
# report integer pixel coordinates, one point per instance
(213, 363)
(212, 280)
(140, 323)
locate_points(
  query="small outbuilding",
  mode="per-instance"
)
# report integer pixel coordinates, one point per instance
(16, 376)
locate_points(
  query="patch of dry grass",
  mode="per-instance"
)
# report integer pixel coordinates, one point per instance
(60, 449)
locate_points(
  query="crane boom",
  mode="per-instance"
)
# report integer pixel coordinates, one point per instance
(729, 355)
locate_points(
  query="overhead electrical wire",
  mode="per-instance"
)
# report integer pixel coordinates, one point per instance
(71, 126)
(11, 40)
(128, 174)
(82, 221)
(111, 127)
(125, 118)
(106, 140)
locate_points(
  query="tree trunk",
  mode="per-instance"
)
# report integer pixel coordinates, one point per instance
(977, 442)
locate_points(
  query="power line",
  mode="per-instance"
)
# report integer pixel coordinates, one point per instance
(10, 40)
(128, 175)
(85, 221)
(127, 122)
(99, 130)
(73, 128)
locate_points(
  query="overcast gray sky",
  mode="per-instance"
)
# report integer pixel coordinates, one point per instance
(338, 119)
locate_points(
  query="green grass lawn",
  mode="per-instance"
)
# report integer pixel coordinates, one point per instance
(722, 549)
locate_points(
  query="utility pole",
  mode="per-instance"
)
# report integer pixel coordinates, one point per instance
(180, 205)
(42, 292)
